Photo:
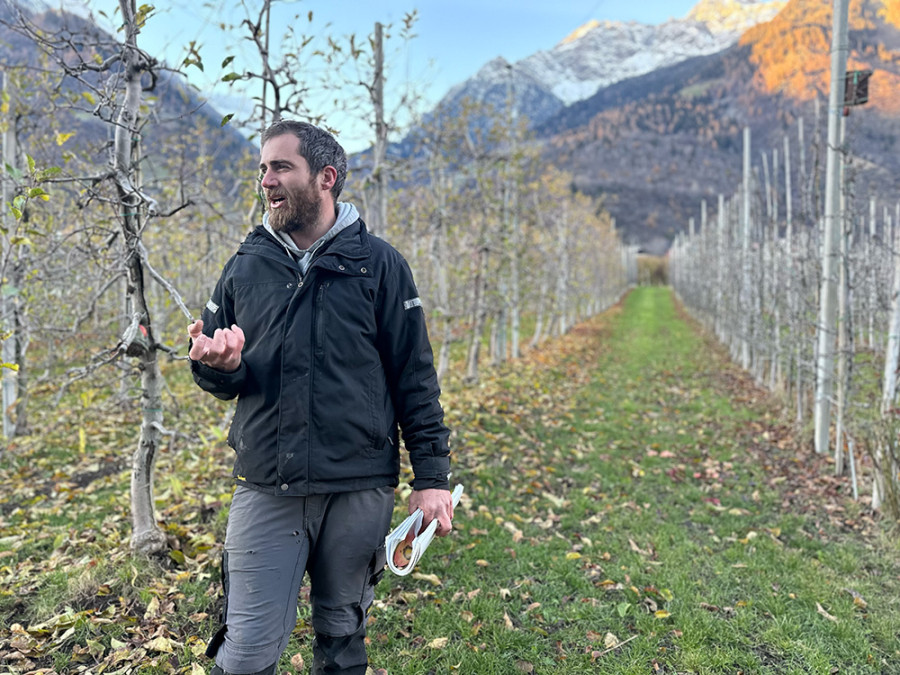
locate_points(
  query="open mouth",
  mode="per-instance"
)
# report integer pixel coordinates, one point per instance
(276, 201)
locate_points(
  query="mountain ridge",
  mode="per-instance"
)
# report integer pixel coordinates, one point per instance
(600, 53)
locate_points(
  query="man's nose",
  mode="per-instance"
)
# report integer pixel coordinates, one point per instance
(267, 180)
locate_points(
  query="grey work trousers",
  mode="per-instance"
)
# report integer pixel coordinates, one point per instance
(270, 542)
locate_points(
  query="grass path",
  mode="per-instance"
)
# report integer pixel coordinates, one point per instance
(635, 491)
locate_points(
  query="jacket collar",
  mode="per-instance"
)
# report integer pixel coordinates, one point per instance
(352, 243)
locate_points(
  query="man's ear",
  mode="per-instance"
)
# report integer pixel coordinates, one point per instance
(328, 176)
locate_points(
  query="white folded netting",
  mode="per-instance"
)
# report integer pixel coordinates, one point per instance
(406, 544)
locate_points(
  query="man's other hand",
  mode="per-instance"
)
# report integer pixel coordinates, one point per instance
(435, 504)
(222, 351)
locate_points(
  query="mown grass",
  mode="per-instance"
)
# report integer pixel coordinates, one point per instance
(643, 514)
(632, 505)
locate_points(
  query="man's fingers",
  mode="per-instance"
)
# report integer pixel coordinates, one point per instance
(233, 344)
(217, 347)
(444, 518)
(221, 350)
(195, 330)
(239, 333)
(199, 348)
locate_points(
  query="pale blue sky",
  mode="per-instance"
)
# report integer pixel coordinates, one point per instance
(454, 38)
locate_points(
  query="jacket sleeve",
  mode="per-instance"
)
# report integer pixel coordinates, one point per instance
(219, 313)
(409, 366)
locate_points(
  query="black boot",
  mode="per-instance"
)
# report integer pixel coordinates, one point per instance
(345, 655)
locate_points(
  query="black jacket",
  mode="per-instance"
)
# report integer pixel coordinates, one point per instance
(332, 363)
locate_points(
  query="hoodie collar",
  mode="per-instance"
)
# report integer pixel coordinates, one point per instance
(346, 216)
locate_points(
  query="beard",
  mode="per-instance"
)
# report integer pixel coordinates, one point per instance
(300, 210)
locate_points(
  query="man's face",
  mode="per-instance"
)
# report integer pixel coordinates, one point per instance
(291, 191)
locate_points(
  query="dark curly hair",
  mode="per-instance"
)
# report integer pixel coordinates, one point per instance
(318, 147)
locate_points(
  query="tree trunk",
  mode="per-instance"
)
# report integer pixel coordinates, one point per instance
(563, 271)
(379, 152)
(442, 296)
(22, 340)
(479, 316)
(146, 538)
(538, 334)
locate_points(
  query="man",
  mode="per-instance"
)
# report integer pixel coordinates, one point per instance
(317, 328)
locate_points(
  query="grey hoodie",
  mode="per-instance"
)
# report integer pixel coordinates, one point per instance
(346, 216)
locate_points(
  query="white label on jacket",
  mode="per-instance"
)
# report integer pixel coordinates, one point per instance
(211, 306)
(409, 304)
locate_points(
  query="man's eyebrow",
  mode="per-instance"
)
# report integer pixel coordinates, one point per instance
(276, 163)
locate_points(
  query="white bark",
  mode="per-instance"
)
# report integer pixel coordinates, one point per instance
(146, 538)
(379, 152)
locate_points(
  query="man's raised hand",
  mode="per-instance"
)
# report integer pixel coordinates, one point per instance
(222, 351)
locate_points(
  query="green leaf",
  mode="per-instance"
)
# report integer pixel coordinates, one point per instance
(14, 172)
(622, 608)
(227, 61)
(226, 119)
(30, 163)
(177, 556)
(35, 192)
(231, 77)
(49, 172)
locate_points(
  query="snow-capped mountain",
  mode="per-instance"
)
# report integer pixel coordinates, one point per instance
(601, 53)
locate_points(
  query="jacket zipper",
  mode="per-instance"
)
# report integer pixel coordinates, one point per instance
(320, 319)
